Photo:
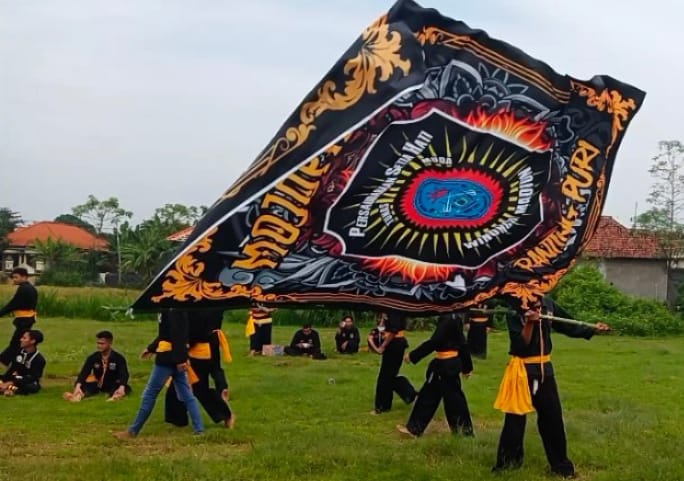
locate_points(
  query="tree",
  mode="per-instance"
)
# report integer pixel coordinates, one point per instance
(56, 253)
(101, 214)
(146, 250)
(174, 217)
(9, 221)
(664, 218)
(71, 219)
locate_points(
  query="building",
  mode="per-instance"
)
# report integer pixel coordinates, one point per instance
(630, 260)
(21, 251)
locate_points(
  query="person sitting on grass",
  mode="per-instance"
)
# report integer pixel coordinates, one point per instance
(26, 369)
(305, 342)
(104, 371)
(347, 337)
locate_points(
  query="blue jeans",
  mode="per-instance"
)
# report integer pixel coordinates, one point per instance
(154, 386)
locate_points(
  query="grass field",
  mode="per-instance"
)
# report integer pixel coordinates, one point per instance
(622, 399)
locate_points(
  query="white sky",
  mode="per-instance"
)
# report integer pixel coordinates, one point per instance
(169, 101)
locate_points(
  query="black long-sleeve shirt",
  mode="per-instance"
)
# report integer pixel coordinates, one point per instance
(115, 375)
(312, 338)
(24, 299)
(345, 335)
(518, 346)
(395, 322)
(26, 368)
(448, 336)
(173, 328)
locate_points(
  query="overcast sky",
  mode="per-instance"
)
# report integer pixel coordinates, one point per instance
(164, 101)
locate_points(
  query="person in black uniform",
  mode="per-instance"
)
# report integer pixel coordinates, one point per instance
(478, 325)
(376, 335)
(220, 348)
(200, 368)
(305, 342)
(442, 379)
(347, 337)
(23, 305)
(393, 346)
(104, 371)
(535, 389)
(171, 349)
(24, 372)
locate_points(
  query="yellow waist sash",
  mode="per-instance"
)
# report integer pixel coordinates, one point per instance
(164, 346)
(446, 354)
(514, 392)
(400, 334)
(24, 313)
(225, 346)
(479, 319)
(201, 351)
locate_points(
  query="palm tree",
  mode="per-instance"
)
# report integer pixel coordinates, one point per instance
(56, 252)
(145, 250)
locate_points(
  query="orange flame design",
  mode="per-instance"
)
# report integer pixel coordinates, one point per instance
(409, 270)
(521, 130)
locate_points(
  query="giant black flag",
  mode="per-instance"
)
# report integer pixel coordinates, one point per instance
(433, 167)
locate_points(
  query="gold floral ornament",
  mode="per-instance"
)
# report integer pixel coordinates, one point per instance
(610, 101)
(377, 60)
(533, 290)
(184, 281)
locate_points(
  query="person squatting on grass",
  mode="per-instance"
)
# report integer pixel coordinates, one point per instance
(200, 368)
(529, 384)
(26, 369)
(23, 305)
(442, 379)
(392, 349)
(347, 337)
(104, 371)
(171, 351)
(305, 342)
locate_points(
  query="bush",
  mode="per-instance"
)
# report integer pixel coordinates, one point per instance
(585, 293)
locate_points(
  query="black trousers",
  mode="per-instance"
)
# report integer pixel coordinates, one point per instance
(92, 389)
(389, 380)
(21, 325)
(442, 383)
(210, 399)
(551, 428)
(351, 348)
(217, 373)
(27, 388)
(477, 339)
(261, 336)
(314, 352)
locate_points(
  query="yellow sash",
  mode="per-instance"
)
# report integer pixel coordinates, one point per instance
(200, 350)
(446, 354)
(514, 392)
(400, 334)
(192, 375)
(164, 346)
(249, 327)
(225, 347)
(24, 313)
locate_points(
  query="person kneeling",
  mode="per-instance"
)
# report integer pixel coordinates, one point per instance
(306, 342)
(347, 337)
(103, 371)
(26, 369)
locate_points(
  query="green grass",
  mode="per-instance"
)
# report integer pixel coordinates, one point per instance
(622, 399)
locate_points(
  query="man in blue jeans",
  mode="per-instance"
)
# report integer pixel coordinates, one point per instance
(171, 349)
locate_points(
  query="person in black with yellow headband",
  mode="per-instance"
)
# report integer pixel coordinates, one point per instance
(171, 349)
(200, 366)
(442, 379)
(478, 324)
(529, 384)
(392, 349)
(23, 305)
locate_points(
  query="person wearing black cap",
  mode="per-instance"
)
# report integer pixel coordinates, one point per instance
(104, 371)
(23, 306)
(443, 378)
(26, 369)
(305, 342)
(393, 346)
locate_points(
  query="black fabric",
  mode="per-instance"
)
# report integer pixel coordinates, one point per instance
(349, 336)
(261, 336)
(25, 371)
(313, 338)
(442, 383)
(25, 299)
(477, 339)
(173, 328)
(21, 325)
(116, 375)
(447, 336)
(92, 389)
(551, 428)
(389, 380)
(218, 410)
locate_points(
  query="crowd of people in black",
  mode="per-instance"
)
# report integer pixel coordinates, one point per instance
(190, 346)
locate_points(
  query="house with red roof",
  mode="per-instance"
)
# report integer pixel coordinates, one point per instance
(629, 259)
(21, 251)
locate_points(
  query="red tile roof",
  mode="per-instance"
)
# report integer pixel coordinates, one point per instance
(614, 240)
(182, 235)
(77, 236)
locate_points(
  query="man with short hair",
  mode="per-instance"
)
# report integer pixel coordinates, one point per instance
(347, 337)
(26, 369)
(305, 342)
(23, 305)
(104, 371)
